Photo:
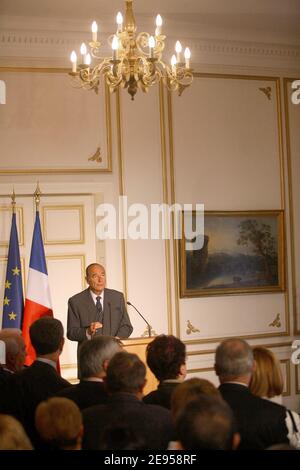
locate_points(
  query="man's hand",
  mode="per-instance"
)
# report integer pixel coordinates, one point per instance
(94, 327)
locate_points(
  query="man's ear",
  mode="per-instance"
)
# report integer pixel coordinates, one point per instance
(178, 445)
(105, 364)
(182, 371)
(61, 346)
(236, 440)
(143, 386)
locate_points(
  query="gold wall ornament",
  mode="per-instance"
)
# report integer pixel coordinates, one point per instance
(136, 60)
(191, 329)
(96, 157)
(267, 91)
(276, 322)
(146, 332)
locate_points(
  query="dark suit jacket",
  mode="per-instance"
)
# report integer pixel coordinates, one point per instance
(260, 422)
(10, 395)
(82, 312)
(162, 395)
(38, 382)
(151, 422)
(85, 394)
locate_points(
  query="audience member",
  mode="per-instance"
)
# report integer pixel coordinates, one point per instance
(41, 380)
(206, 423)
(261, 423)
(267, 382)
(12, 434)
(188, 391)
(166, 358)
(15, 349)
(94, 357)
(126, 378)
(59, 424)
(10, 391)
(120, 436)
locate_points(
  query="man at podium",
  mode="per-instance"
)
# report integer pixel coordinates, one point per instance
(97, 310)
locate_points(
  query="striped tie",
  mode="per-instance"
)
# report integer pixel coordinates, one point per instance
(99, 309)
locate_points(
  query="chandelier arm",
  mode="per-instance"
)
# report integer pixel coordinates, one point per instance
(136, 60)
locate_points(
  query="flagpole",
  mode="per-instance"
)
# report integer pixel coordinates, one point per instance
(13, 201)
(13, 302)
(37, 197)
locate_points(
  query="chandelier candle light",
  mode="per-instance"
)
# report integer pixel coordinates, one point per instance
(136, 61)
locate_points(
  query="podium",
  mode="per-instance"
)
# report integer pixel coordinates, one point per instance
(138, 346)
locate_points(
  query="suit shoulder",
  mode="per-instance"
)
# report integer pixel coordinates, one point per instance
(113, 292)
(78, 296)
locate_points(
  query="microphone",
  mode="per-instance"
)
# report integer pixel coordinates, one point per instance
(148, 324)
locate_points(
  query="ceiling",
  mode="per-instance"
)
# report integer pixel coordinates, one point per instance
(268, 16)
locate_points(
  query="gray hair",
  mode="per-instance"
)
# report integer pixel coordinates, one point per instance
(93, 353)
(234, 357)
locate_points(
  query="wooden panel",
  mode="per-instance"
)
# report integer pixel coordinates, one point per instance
(138, 346)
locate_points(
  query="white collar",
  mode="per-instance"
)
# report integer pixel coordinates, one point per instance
(94, 296)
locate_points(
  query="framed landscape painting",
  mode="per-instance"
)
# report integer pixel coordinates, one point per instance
(240, 252)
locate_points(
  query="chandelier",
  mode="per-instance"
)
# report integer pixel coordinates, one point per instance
(136, 60)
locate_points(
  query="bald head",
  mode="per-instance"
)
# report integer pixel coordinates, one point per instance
(15, 348)
(234, 360)
(96, 278)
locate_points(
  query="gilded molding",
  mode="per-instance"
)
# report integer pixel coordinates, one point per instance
(191, 329)
(63, 207)
(165, 200)
(287, 82)
(276, 322)
(108, 120)
(267, 91)
(80, 256)
(20, 217)
(276, 82)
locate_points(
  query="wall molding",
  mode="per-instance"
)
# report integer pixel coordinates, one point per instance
(59, 44)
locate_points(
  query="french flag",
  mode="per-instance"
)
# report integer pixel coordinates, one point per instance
(38, 299)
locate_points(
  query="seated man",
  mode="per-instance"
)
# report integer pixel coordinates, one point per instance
(94, 357)
(261, 423)
(15, 349)
(126, 378)
(40, 380)
(206, 423)
(166, 357)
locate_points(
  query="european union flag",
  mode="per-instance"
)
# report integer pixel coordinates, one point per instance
(13, 303)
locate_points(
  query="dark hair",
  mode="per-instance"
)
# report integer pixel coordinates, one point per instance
(165, 355)
(120, 436)
(206, 423)
(46, 335)
(125, 373)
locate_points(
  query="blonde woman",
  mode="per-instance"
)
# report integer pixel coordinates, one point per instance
(267, 382)
(12, 434)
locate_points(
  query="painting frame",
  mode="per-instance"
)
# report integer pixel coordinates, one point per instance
(225, 265)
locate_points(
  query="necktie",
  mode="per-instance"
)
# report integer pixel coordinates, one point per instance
(99, 309)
